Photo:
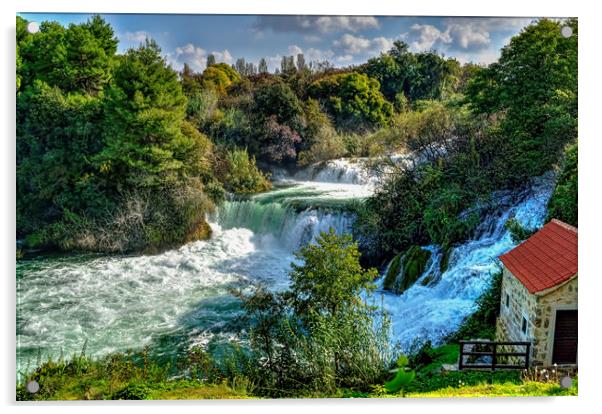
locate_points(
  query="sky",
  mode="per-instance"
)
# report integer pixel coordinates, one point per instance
(342, 40)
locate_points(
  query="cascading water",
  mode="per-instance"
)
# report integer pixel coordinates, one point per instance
(181, 298)
(438, 302)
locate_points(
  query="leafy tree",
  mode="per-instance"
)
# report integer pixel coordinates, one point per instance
(330, 277)
(240, 173)
(301, 66)
(263, 66)
(320, 334)
(78, 58)
(191, 81)
(211, 60)
(144, 109)
(219, 77)
(563, 204)
(353, 99)
(413, 76)
(57, 135)
(534, 86)
(280, 141)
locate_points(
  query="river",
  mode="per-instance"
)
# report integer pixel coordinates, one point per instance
(180, 298)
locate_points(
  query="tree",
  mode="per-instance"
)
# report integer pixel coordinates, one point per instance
(417, 76)
(278, 99)
(144, 109)
(534, 86)
(287, 65)
(563, 204)
(75, 59)
(301, 62)
(211, 60)
(57, 136)
(219, 77)
(241, 66)
(353, 99)
(263, 66)
(330, 277)
(320, 334)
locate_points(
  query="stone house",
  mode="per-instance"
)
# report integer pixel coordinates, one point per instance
(539, 295)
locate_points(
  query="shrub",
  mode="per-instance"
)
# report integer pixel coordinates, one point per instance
(563, 204)
(240, 173)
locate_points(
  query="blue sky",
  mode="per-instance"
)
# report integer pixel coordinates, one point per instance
(342, 40)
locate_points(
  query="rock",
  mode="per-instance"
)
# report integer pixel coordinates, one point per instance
(393, 272)
(405, 269)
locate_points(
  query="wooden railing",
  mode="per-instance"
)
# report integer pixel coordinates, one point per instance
(487, 355)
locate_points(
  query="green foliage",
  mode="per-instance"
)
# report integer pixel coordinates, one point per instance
(442, 216)
(393, 272)
(241, 175)
(412, 76)
(78, 58)
(563, 204)
(403, 376)
(56, 138)
(119, 170)
(319, 335)
(353, 99)
(534, 86)
(132, 392)
(405, 269)
(330, 276)
(219, 77)
(518, 232)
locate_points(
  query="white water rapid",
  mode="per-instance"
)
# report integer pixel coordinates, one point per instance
(180, 298)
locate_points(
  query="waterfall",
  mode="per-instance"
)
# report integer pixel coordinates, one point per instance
(291, 227)
(438, 302)
(342, 171)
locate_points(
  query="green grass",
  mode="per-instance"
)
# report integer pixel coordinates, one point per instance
(135, 376)
(526, 389)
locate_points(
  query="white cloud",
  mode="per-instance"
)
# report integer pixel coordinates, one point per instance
(139, 36)
(195, 57)
(223, 56)
(382, 44)
(469, 36)
(294, 50)
(313, 54)
(461, 34)
(346, 23)
(426, 36)
(355, 45)
(311, 24)
(344, 58)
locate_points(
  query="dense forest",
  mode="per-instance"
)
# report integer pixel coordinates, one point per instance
(120, 153)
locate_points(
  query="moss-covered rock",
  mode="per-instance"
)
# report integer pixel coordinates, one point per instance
(414, 263)
(445, 259)
(393, 272)
(405, 269)
(202, 232)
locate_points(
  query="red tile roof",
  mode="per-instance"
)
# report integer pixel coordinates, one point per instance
(546, 259)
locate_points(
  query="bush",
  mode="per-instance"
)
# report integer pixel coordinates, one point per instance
(328, 145)
(240, 173)
(563, 204)
(353, 99)
(132, 392)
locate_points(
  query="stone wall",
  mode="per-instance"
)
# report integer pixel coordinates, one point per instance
(538, 310)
